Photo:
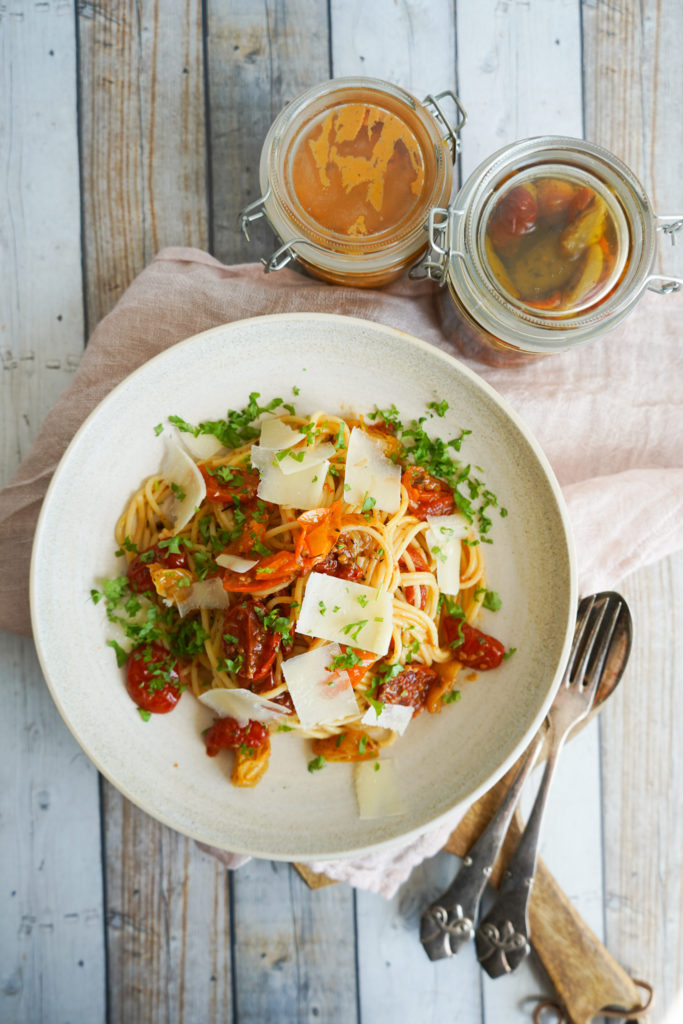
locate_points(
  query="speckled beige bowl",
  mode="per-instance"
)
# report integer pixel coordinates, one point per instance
(444, 761)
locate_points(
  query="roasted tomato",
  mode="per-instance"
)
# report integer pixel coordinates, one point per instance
(247, 642)
(470, 646)
(227, 733)
(352, 745)
(152, 679)
(274, 570)
(138, 575)
(340, 562)
(427, 495)
(410, 688)
(513, 216)
(255, 524)
(227, 484)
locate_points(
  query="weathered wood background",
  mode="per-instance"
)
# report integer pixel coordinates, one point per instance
(128, 126)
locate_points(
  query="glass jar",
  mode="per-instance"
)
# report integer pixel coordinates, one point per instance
(349, 172)
(549, 244)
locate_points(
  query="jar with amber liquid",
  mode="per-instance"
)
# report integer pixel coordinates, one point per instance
(349, 172)
(548, 245)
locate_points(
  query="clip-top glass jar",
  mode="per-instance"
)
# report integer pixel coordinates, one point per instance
(549, 244)
(349, 172)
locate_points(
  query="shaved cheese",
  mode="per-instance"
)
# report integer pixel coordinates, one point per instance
(204, 446)
(289, 461)
(292, 490)
(189, 489)
(236, 562)
(392, 716)
(294, 462)
(377, 789)
(243, 705)
(347, 613)
(276, 435)
(369, 473)
(320, 696)
(203, 594)
(444, 538)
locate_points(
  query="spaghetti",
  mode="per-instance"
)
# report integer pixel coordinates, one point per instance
(248, 589)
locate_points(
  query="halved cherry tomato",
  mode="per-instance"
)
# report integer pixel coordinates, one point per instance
(138, 575)
(340, 562)
(227, 733)
(476, 650)
(319, 531)
(351, 745)
(514, 215)
(255, 645)
(152, 679)
(235, 482)
(255, 525)
(410, 687)
(427, 495)
(274, 570)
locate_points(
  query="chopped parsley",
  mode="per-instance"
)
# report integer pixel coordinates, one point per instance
(452, 697)
(352, 629)
(316, 764)
(492, 600)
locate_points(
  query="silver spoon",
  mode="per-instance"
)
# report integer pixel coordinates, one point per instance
(600, 650)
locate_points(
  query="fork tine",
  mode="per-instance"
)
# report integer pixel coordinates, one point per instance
(582, 618)
(588, 671)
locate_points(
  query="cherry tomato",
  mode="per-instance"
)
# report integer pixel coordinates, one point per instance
(410, 688)
(255, 525)
(350, 745)
(152, 679)
(227, 733)
(274, 570)
(340, 562)
(138, 575)
(514, 215)
(234, 482)
(427, 495)
(478, 650)
(249, 640)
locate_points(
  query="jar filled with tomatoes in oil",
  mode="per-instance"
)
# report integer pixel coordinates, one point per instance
(548, 245)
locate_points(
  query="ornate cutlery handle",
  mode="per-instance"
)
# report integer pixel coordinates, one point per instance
(448, 923)
(502, 938)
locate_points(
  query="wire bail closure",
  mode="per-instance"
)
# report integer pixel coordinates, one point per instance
(441, 229)
(669, 225)
(451, 136)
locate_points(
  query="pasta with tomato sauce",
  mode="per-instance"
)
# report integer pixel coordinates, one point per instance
(314, 574)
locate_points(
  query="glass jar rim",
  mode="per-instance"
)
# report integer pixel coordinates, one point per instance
(517, 324)
(308, 240)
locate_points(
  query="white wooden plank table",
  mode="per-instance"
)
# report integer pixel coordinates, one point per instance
(127, 126)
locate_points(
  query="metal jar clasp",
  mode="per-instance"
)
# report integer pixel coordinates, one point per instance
(441, 230)
(668, 225)
(432, 102)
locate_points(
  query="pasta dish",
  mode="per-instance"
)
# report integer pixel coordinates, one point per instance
(309, 573)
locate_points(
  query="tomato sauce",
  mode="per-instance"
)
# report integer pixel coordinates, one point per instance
(358, 170)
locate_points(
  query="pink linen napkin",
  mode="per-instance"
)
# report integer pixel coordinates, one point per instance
(607, 415)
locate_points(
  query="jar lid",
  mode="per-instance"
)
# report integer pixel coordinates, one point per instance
(349, 171)
(549, 242)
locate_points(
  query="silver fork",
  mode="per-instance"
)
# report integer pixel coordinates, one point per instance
(502, 938)
(449, 922)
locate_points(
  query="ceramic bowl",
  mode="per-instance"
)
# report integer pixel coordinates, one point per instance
(443, 762)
